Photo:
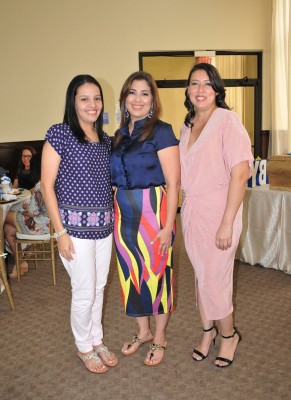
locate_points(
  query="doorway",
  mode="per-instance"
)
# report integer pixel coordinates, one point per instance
(242, 75)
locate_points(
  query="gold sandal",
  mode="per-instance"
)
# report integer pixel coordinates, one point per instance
(135, 339)
(155, 347)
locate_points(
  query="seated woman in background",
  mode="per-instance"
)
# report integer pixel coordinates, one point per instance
(23, 177)
(33, 220)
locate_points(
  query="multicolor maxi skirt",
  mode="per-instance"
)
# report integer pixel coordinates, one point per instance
(146, 277)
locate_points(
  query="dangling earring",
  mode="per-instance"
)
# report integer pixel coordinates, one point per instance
(151, 113)
(126, 113)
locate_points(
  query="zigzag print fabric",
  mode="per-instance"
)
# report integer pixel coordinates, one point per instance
(146, 277)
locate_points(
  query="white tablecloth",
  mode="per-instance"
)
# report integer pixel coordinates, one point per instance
(266, 233)
(16, 204)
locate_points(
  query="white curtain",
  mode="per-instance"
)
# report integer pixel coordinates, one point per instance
(233, 67)
(280, 141)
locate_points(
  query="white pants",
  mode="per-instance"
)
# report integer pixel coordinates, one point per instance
(88, 272)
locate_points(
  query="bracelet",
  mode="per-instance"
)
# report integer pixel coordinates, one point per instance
(58, 235)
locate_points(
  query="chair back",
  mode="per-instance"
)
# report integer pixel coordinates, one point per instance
(41, 248)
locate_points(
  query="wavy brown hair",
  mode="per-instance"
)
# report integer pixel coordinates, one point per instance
(156, 104)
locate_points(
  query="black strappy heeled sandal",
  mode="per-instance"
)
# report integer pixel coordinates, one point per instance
(226, 360)
(199, 352)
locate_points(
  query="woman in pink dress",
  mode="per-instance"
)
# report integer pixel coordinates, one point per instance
(216, 162)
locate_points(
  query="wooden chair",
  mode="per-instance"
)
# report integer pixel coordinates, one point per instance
(41, 248)
(3, 275)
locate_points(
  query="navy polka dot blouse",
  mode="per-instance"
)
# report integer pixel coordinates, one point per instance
(83, 185)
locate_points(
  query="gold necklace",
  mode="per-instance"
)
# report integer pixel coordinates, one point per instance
(90, 140)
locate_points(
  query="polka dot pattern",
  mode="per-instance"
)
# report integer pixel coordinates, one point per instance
(83, 185)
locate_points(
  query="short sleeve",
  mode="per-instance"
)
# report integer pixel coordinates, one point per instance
(236, 143)
(165, 137)
(108, 142)
(57, 137)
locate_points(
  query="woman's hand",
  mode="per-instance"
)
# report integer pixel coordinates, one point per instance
(223, 238)
(169, 159)
(165, 237)
(65, 247)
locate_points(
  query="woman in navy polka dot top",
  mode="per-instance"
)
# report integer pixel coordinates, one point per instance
(77, 190)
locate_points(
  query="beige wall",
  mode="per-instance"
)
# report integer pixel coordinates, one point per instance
(45, 43)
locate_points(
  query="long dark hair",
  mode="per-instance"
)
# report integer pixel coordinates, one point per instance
(70, 115)
(156, 106)
(35, 167)
(217, 85)
(21, 166)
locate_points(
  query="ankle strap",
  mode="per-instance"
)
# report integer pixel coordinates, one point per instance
(208, 330)
(231, 336)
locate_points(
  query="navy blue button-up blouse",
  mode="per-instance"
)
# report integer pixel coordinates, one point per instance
(135, 164)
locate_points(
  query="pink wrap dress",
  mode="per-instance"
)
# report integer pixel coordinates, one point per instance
(205, 177)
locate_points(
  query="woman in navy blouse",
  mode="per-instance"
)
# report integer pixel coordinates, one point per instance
(145, 173)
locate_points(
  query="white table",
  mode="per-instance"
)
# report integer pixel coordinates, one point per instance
(16, 204)
(266, 233)
(4, 208)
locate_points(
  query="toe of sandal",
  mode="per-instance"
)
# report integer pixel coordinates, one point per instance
(107, 357)
(93, 363)
(128, 345)
(153, 348)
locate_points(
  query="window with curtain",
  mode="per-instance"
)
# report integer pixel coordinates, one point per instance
(280, 141)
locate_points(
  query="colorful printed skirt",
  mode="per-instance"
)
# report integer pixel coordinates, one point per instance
(146, 277)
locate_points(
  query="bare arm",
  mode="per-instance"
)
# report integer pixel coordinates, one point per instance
(236, 191)
(49, 170)
(15, 183)
(170, 163)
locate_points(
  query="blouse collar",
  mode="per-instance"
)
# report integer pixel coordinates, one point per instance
(137, 129)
